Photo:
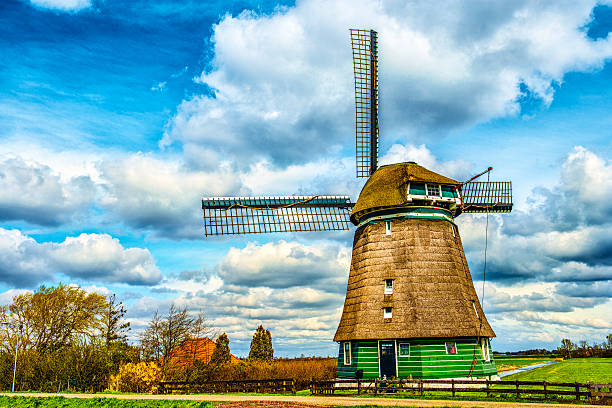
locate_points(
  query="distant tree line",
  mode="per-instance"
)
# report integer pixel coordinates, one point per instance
(68, 338)
(569, 349)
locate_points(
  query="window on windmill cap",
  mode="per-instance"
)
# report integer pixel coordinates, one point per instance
(433, 190)
(417, 188)
(388, 314)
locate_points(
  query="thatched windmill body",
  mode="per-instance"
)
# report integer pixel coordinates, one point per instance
(411, 309)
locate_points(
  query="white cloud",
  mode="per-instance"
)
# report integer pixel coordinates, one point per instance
(283, 81)
(63, 5)
(36, 193)
(283, 264)
(90, 257)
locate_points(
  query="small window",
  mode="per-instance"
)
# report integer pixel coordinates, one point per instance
(388, 286)
(433, 190)
(451, 348)
(449, 191)
(484, 344)
(404, 349)
(388, 227)
(388, 312)
(347, 353)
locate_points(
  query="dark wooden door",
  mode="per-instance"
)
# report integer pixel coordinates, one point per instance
(387, 359)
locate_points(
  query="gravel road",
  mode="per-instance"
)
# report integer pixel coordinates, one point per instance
(292, 401)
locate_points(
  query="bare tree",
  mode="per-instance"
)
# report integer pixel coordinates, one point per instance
(165, 334)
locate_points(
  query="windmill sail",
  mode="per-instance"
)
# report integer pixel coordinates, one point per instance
(365, 67)
(487, 196)
(252, 215)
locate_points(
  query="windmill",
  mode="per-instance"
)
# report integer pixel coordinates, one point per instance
(411, 309)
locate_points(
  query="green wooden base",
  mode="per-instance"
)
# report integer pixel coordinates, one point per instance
(428, 359)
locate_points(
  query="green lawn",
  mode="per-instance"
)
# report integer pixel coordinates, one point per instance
(61, 402)
(597, 370)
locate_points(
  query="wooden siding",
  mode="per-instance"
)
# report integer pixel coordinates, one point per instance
(428, 359)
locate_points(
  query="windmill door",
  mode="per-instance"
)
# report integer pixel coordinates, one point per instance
(387, 358)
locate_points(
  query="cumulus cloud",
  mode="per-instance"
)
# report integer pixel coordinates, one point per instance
(283, 264)
(36, 193)
(62, 5)
(149, 193)
(91, 257)
(282, 82)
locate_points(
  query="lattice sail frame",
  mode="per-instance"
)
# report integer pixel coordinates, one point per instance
(365, 67)
(487, 196)
(253, 215)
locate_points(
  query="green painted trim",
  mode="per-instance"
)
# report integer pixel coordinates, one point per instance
(402, 213)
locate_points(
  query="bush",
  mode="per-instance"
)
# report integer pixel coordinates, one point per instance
(136, 377)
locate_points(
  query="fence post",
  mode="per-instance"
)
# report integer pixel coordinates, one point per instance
(421, 387)
(375, 386)
(358, 386)
(545, 390)
(453, 386)
(488, 388)
(577, 391)
(518, 394)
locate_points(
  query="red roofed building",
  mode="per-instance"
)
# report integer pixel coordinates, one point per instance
(196, 350)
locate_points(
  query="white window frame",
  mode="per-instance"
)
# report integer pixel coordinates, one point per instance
(388, 312)
(399, 350)
(484, 345)
(446, 344)
(437, 186)
(348, 360)
(389, 290)
(388, 227)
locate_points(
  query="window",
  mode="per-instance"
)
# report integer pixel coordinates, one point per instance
(433, 190)
(449, 191)
(347, 353)
(388, 312)
(484, 344)
(417, 189)
(404, 349)
(388, 286)
(388, 227)
(451, 348)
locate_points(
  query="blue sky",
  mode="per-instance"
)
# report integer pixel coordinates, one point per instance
(117, 117)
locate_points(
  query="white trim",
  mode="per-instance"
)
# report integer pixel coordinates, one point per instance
(350, 353)
(396, 360)
(388, 227)
(387, 314)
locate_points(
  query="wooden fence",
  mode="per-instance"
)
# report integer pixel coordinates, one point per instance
(517, 389)
(272, 386)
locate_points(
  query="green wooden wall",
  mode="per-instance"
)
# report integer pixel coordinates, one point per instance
(428, 359)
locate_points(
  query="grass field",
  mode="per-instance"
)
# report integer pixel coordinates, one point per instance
(597, 370)
(61, 402)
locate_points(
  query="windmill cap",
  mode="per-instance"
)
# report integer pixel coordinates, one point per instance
(387, 187)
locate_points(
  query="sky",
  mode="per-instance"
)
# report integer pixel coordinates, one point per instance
(116, 118)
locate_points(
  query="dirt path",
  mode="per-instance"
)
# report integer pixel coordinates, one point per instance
(291, 401)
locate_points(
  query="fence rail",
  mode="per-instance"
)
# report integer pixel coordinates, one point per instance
(276, 386)
(545, 389)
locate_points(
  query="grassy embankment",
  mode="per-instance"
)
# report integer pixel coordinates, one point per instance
(582, 370)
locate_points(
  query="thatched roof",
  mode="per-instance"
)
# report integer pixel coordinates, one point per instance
(433, 294)
(386, 188)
